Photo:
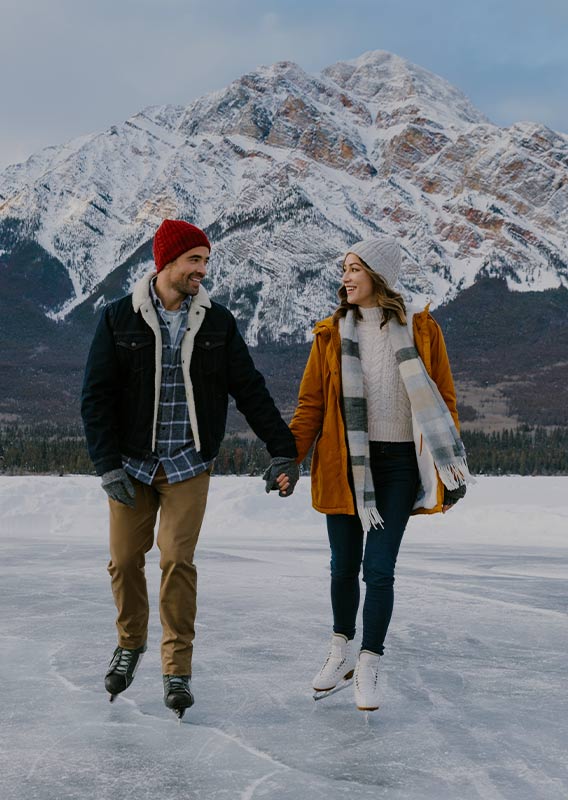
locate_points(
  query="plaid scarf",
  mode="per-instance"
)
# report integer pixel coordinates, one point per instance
(356, 423)
(429, 412)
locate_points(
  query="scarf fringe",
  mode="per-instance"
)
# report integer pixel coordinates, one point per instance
(370, 518)
(455, 475)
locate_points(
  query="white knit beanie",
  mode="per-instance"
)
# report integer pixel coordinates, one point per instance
(382, 254)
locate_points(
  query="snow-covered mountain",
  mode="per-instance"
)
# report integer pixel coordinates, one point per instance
(284, 170)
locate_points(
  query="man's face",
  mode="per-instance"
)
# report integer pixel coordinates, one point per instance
(188, 270)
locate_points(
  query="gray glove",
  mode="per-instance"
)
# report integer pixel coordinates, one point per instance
(281, 466)
(451, 496)
(119, 487)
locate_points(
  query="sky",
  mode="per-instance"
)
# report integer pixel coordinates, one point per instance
(72, 67)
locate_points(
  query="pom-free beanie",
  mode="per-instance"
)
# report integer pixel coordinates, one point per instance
(174, 237)
(382, 254)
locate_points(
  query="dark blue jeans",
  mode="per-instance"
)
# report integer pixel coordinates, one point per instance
(395, 478)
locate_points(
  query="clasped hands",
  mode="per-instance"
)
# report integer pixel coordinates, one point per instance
(281, 474)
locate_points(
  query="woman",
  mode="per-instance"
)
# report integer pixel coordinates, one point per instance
(377, 397)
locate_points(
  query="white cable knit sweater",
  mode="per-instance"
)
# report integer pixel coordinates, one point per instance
(388, 406)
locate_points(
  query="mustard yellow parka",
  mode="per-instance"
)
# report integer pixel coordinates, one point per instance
(318, 416)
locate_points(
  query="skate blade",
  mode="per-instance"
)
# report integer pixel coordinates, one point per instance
(112, 698)
(368, 708)
(319, 695)
(179, 712)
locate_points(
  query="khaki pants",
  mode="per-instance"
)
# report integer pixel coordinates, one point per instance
(182, 506)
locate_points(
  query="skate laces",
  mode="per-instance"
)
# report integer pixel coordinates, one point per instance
(338, 652)
(121, 661)
(177, 683)
(367, 673)
(333, 657)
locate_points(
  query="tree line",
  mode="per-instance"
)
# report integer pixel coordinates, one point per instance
(47, 449)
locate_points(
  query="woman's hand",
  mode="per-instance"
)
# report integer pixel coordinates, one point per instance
(282, 473)
(283, 482)
(451, 497)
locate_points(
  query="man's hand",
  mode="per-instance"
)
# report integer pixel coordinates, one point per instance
(451, 497)
(119, 487)
(282, 474)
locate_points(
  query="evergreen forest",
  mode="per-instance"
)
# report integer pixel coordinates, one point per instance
(47, 449)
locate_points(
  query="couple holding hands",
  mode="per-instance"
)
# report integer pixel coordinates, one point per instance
(376, 401)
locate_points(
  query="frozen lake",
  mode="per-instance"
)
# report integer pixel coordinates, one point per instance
(474, 699)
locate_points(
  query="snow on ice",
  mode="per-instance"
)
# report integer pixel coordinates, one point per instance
(474, 676)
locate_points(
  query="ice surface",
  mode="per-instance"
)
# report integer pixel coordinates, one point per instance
(473, 680)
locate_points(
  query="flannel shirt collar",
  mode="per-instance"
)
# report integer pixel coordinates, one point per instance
(158, 305)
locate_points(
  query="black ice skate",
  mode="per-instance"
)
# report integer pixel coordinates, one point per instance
(122, 668)
(177, 693)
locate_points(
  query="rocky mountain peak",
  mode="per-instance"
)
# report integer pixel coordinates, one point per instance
(285, 169)
(400, 88)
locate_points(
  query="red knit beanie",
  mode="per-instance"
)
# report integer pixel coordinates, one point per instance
(175, 237)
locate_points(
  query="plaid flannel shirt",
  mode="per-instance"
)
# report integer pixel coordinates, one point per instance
(175, 447)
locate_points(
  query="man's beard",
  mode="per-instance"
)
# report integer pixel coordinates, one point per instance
(187, 287)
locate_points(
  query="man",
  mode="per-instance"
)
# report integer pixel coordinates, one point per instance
(154, 406)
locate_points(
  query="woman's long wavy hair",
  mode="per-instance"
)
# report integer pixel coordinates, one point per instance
(391, 302)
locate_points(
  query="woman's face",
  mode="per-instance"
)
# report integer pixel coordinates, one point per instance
(358, 283)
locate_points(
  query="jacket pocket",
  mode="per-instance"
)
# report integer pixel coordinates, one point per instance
(135, 351)
(210, 352)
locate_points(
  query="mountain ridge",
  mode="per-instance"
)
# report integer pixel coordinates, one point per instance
(285, 170)
(281, 157)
